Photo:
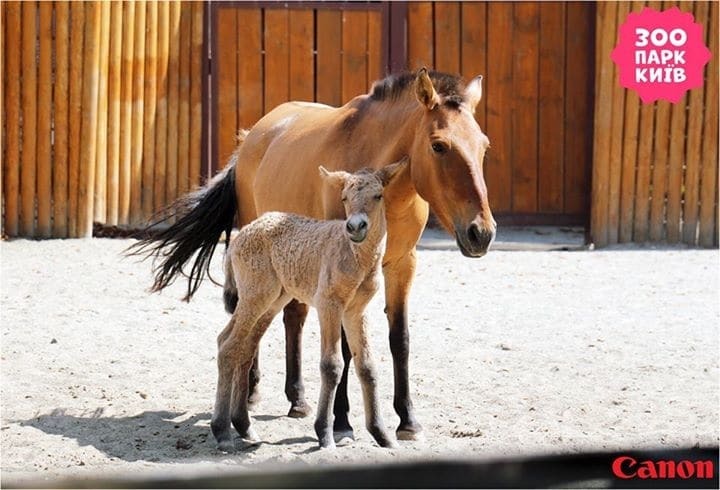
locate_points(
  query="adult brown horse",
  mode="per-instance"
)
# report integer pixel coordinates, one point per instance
(428, 116)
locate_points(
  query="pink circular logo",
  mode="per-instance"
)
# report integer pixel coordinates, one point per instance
(661, 55)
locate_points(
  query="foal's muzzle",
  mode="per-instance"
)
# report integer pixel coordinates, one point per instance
(475, 240)
(357, 227)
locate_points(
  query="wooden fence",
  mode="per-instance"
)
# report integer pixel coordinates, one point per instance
(102, 112)
(655, 173)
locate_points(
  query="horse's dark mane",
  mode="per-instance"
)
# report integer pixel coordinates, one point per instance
(450, 87)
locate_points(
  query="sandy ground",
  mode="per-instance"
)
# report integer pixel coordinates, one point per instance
(516, 353)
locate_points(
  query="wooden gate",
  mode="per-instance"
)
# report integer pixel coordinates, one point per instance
(266, 54)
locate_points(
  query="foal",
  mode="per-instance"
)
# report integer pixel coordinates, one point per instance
(332, 265)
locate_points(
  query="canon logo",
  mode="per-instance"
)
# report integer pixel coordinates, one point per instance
(627, 467)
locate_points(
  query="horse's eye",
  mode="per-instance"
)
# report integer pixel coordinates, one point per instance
(439, 148)
(344, 199)
(378, 197)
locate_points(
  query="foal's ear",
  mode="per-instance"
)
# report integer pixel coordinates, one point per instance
(388, 173)
(335, 179)
(473, 92)
(425, 90)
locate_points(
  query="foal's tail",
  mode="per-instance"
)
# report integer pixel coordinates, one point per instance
(200, 218)
(230, 292)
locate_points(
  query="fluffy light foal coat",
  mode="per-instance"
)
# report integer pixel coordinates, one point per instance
(331, 265)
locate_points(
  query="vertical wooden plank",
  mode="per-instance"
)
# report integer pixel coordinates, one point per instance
(99, 207)
(629, 162)
(60, 117)
(114, 103)
(447, 37)
(709, 170)
(44, 114)
(137, 137)
(226, 69)
(127, 71)
(693, 149)
(277, 89)
(551, 110)
(616, 141)
(328, 88)
(2, 116)
(421, 47)
(579, 100)
(28, 173)
(89, 130)
(302, 67)
(77, 37)
(354, 59)
(183, 181)
(525, 110)
(375, 69)
(196, 87)
(659, 171)
(606, 18)
(161, 117)
(250, 68)
(173, 105)
(150, 108)
(11, 174)
(473, 61)
(499, 96)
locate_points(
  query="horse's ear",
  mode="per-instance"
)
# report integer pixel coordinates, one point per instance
(473, 92)
(388, 173)
(425, 90)
(335, 179)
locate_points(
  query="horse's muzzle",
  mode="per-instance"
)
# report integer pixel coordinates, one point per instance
(475, 240)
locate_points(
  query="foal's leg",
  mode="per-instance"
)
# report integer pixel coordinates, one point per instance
(294, 318)
(356, 330)
(398, 278)
(330, 371)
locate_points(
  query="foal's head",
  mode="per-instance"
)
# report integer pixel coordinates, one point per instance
(362, 196)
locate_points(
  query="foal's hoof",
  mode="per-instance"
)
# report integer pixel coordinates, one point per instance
(250, 437)
(299, 410)
(226, 446)
(410, 432)
(343, 437)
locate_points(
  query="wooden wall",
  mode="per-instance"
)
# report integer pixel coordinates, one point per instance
(102, 112)
(264, 56)
(655, 176)
(538, 95)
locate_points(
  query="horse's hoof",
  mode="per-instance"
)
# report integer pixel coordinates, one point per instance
(299, 411)
(226, 446)
(344, 437)
(413, 433)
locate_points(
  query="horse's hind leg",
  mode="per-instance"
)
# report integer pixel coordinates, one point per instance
(341, 425)
(294, 319)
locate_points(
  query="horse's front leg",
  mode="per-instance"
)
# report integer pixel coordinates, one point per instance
(294, 316)
(399, 274)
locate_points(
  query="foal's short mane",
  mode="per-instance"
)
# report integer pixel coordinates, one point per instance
(450, 87)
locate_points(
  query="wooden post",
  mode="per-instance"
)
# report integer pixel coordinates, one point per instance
(88, 136)
(161, 119)
(11, 175)
(101, 143)
(60, 95)
(29, 119)
(184, 116)
(44, 113)
(114, 101)
(126, 108)
(75, 117)
(138, 111)
(173, 108)
(196, 75)
(151, 51)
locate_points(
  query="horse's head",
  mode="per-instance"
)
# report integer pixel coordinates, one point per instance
(447, 163)
(362, 196)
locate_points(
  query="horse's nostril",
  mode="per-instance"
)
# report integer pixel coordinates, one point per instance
(479, 237)
(474, 233)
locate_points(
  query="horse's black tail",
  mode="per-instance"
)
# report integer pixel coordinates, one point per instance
(200, 219)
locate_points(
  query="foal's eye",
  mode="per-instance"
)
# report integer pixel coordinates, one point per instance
(344, 199)
(439, 148)
(378, 197)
